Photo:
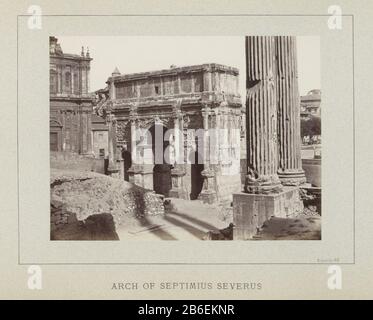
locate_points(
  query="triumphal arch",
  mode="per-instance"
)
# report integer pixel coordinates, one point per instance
(177, 131)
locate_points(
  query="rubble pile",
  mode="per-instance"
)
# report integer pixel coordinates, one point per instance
(88, 193)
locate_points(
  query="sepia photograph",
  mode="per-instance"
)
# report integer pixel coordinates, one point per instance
(205, 152)
(185, 137)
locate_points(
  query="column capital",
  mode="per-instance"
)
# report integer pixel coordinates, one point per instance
(176, 109)
(133, 115)
(109, 117)
(133, 119)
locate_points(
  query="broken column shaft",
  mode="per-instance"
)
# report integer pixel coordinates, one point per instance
(261, 107)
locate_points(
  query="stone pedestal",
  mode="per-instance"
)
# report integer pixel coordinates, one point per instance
(178, 189)
(250, 211)
(134, 174)
(208, 193)
(113, 172)
(147, 177)
(141, 176)
(208, 196)
(113, 169)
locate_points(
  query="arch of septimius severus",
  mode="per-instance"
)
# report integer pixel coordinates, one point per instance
(193, 100)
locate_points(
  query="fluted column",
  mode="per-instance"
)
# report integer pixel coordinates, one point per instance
(208, 193)
(59, 81)
(178, 172)
(89, 132)
(261, 106)
(136, 168)
(88, 79)
(206, 145)
(178, 117)
(216, 147)
(72, 81)
(112, 168)
(84, 80)
(133, 140)
(290, 169)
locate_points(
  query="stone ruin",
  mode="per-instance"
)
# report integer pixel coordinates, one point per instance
(90, 206)
(273, 135)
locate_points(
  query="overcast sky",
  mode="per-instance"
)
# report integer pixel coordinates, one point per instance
(133, 54)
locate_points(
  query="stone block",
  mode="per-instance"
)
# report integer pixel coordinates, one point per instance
(179, 193)
(208, 196)
(250, 211)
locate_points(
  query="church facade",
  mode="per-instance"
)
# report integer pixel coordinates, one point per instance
(70, 102)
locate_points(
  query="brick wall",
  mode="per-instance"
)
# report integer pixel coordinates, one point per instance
(72, 161)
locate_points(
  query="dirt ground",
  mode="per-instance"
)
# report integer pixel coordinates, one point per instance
(302, 227)
(192, 220)
(184, 220)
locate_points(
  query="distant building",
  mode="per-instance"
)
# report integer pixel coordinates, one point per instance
(310, 104)
(71, 104)
(100, 137)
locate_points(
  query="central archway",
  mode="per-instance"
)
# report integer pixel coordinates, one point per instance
(161, 169)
